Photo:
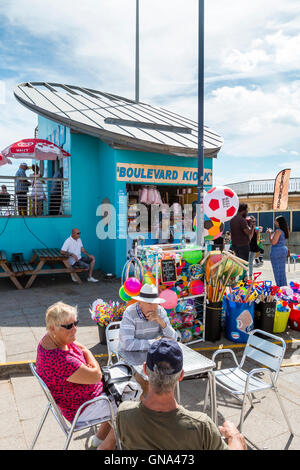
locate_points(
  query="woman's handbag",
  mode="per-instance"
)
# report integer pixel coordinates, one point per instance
(118, 383)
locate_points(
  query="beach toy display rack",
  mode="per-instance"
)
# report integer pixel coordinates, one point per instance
(177, 271)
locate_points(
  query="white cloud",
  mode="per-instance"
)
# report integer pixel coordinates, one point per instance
(270, 54)
(256, 122)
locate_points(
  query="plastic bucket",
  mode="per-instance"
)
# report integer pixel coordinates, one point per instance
(239, 320)
(213, 322)
(102, 335)
(294, 318)
(264, 315)
(280, 321)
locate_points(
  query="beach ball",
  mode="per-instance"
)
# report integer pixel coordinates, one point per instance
(132, 286)
(170, 298)
(181, 306)
(123, 295)
(213, 229)
(176, 321)
(186, 335)
(187, 320)
(197, 328)
(221, 204)
(196, 287)
(193, 257)
(149, 278)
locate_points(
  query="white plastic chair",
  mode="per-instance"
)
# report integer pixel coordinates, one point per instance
(112, 333)
(239, 382)
(68, 429)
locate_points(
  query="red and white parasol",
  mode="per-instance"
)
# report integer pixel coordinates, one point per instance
(4, 160)
(35, 149)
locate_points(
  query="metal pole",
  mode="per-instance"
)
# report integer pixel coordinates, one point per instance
(137, 54)
(200, 214)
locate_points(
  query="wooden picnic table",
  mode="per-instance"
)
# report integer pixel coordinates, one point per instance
(13, 270)
(51, 256)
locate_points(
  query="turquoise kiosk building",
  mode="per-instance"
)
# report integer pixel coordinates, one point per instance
(117, 146)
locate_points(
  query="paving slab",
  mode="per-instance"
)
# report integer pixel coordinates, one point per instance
(2, 351)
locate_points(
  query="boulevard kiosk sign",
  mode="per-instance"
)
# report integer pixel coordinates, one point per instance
(131, 172)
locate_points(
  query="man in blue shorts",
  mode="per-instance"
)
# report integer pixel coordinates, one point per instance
(78, 257)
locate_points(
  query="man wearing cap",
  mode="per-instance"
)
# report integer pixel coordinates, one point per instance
(158, 422)
(145, 320)
(22, 186)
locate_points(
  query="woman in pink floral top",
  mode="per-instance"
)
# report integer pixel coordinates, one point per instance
(71, 372)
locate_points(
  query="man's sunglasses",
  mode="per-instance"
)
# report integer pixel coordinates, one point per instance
(70, 326)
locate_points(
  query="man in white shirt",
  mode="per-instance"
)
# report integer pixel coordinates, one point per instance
(74, 248)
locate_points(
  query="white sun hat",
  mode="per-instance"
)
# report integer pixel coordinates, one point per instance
(149, 294)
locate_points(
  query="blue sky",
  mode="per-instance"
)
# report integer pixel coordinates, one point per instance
(252, 68)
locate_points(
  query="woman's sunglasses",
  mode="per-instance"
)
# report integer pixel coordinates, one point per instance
(70, 326)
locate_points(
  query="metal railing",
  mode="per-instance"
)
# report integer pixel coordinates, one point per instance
(34, 197)
(262, 187)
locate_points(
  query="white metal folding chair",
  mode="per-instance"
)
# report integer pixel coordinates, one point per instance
(68, 429)
(239, 382)
(112, 333)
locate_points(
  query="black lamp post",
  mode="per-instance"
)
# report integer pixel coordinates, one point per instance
(200, 213)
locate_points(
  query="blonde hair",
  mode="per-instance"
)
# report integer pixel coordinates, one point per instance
(58, 313)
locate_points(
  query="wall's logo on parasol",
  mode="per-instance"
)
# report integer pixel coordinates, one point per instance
(25, 144)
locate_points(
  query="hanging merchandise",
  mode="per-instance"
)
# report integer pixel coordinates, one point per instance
(221, 204)
(151, 195)
(144, 196)
(157, 197)
(134, 266)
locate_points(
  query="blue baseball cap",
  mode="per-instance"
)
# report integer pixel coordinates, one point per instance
(168, 351)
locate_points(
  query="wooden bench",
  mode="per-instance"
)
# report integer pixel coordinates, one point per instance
(19, 266)
(9, 270)
(51, 256)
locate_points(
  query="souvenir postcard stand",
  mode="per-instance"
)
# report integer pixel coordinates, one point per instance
(165, 270)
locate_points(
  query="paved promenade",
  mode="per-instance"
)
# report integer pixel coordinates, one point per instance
(22, 320)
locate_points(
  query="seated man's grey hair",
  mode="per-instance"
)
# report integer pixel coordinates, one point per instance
(162, 379)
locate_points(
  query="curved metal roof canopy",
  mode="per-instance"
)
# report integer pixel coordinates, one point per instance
(120, 122)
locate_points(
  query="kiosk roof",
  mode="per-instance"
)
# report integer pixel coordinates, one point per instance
(118, 121)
